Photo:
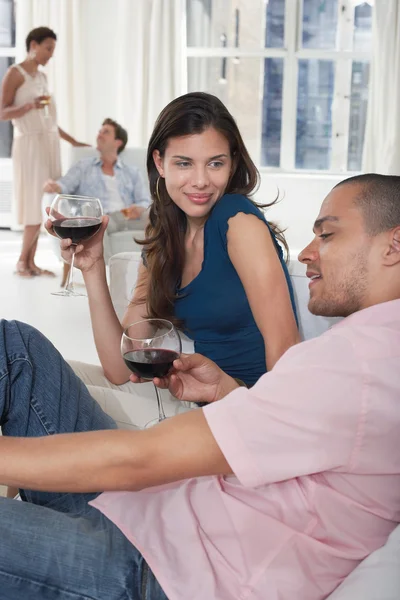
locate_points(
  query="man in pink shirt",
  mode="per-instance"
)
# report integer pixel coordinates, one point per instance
(275, 492)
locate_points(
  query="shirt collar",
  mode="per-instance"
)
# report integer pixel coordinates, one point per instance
(118, 162)
(378, 313)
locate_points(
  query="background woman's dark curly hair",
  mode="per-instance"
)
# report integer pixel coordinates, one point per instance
(165, 234)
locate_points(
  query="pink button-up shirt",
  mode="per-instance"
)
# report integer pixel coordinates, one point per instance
(315, 448)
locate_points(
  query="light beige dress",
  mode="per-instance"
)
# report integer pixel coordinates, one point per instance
(36, 149)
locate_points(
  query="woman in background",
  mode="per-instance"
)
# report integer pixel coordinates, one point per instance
(212, 263)
(36, 147)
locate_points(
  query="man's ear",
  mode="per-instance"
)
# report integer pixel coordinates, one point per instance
(158, 161)
(392, 254)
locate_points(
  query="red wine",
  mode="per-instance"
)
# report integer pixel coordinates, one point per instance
(150, 362)
(76, 228)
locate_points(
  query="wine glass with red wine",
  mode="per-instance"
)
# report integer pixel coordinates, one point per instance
(78, 218)
(149, 348)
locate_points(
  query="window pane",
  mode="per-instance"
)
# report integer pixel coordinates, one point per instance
(235, 23)
(5, 126)
(358, 114)
(275, 26)
(362, 39)
(7, 24)
(238, 83)
(314, 114)
(272, 112)
(319, 24)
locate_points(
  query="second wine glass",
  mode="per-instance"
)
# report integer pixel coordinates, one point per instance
(149, 347)
(78, 218)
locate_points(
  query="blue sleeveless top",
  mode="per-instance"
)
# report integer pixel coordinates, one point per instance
(214, 306)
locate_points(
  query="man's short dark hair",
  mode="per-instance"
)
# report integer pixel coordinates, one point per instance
(378, 199)
(38, 35)
(120, 133)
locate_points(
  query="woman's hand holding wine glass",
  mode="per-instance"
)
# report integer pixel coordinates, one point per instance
(87, 254)
(78, 221)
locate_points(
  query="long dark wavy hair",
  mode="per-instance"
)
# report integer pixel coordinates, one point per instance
(164, 243)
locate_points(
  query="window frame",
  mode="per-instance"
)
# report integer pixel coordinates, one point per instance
(291, 53)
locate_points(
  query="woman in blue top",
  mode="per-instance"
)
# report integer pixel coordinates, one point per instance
(212, 263)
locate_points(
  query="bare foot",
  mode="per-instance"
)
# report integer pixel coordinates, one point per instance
(38, 271)
(22, 269)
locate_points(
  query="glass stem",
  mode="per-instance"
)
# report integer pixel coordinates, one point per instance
(70, 281)
(161, 413)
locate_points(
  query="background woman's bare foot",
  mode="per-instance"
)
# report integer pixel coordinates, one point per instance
(38, 271)
(22, 269)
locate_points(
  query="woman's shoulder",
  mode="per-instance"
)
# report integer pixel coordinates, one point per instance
(15, 72)
(231, 204)
(227, 207)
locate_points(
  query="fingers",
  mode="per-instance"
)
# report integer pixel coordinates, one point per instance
(188, 361)
(48, 225)
(172, 383)
(104, 223)
(162, 382)
(66, 244)
(175, 386)
(135, 379)
(98, 237)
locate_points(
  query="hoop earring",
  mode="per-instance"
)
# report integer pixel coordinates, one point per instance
(158, 188)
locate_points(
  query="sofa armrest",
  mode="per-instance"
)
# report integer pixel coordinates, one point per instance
(123, 274)
(375, 578)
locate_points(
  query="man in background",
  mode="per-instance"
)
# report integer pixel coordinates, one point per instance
(120, 187)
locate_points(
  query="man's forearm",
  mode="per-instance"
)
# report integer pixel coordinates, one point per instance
(78, 462)
(114, 460)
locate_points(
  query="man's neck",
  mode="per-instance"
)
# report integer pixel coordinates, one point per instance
(108, 162)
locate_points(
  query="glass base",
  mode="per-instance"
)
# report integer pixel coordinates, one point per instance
(68, 293)
(153, 422)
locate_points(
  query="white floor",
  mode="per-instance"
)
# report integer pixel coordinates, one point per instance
(65, 321)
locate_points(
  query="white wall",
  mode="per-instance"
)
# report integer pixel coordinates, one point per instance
(301, 197)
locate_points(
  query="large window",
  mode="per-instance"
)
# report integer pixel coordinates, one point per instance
(7, 54)
(294, 73)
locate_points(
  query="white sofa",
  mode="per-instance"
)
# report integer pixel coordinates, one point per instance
(378, 576)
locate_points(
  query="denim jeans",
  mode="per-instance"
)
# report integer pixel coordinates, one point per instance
(54, 545)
